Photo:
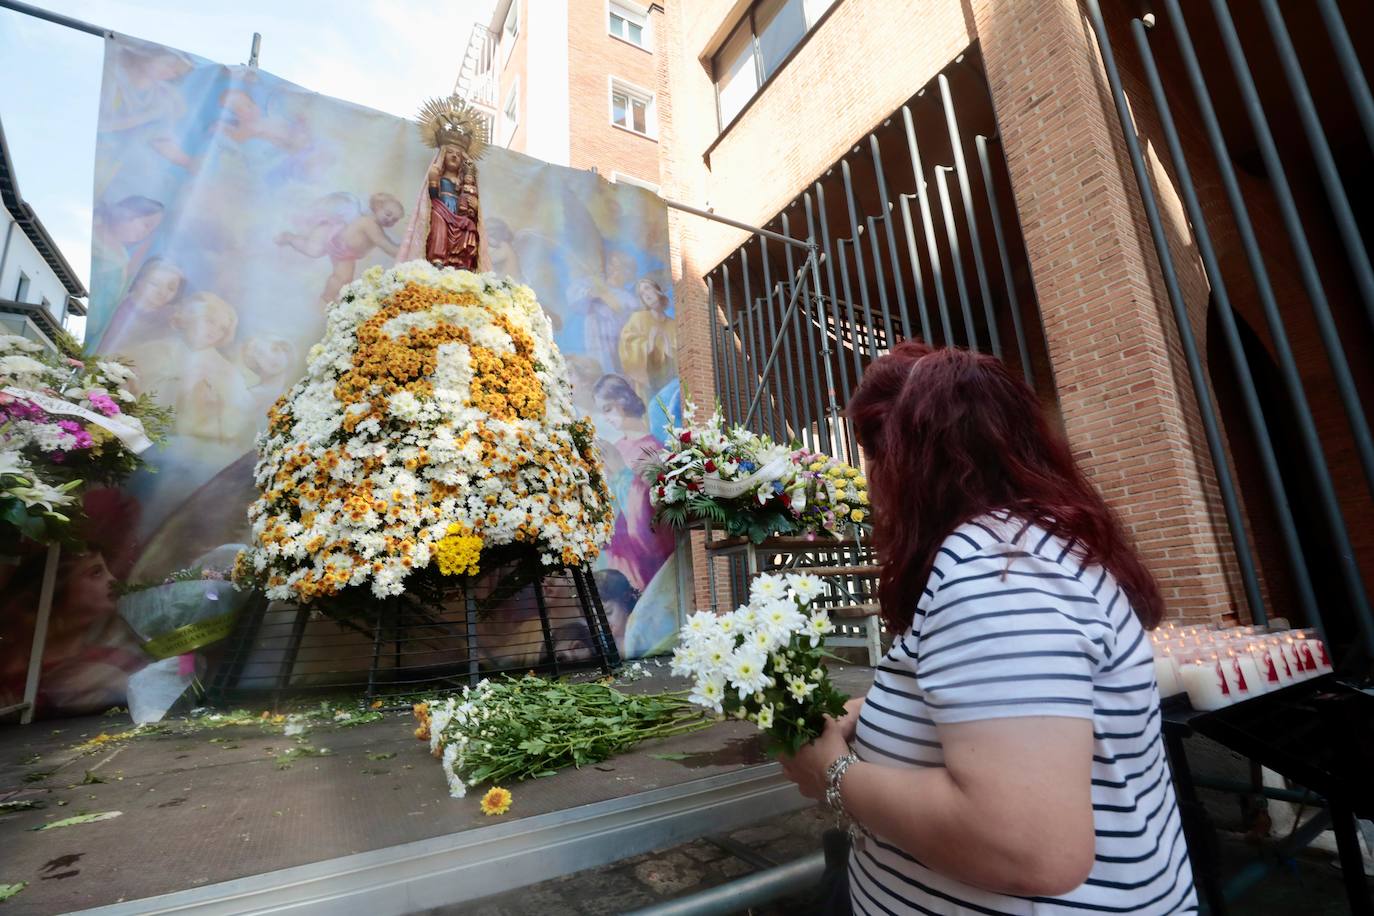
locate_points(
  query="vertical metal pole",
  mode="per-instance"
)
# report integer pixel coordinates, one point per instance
(1283, 352)
(740, 383)
(253, 52)
(1321, 152)
(750, 362)
(1297, 237)
(855, 230)
(752, 313)
(888, 213)
(839, 429)
(955, 256)
(871, 224)
(871, 337)
(778, 325)
(830, 259)
(1350, 67)
(716, 374)
(916, 272)
(961, 169)
(470, 618)
(815, 406)
(544, 626)
(1268, 460)
(1013, 301)
(1231, 504)
(932, 247)
(40, 634)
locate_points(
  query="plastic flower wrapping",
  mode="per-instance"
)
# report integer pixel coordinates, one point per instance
(175, 618)
(765, 662)
(751, 486)
(64, 422)
(434, 425)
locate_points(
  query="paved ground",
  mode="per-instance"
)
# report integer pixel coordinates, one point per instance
(1304, 886)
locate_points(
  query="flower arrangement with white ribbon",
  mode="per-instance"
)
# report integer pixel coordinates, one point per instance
(65, 422)
(765, 662)
(751, 486)
(434, 424)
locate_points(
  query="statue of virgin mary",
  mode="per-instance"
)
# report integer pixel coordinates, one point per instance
(445, 225)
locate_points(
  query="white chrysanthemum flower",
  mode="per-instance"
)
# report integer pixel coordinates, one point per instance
(709, 692)
(818, 626)
(764, 718)
(807, 588)
(745, 669)
(799, 688)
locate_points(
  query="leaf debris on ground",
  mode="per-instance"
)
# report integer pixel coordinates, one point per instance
(81, 819)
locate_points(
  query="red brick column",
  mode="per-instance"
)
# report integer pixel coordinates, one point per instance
(1125, 403)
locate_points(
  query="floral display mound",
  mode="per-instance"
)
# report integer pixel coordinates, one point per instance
(751, 486)
(432, 435)
(67, 421)
(521, 728)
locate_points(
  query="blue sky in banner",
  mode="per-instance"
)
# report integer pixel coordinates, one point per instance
(378, 53)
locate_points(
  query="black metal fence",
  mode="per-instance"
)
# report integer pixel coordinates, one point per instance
(912, 234)
(1314, 191)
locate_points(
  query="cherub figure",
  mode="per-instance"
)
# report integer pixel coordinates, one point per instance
(338, 229)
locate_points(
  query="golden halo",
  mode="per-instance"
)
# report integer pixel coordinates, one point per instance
(453, 121)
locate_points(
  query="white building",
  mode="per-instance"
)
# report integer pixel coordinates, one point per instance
(38, 288)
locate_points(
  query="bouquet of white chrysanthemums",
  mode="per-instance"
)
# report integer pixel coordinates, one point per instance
(766, 661)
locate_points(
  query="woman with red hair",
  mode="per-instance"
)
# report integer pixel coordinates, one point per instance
(1008, 758)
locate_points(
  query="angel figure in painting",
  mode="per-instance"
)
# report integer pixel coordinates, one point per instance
(336, 227)
(447, 220)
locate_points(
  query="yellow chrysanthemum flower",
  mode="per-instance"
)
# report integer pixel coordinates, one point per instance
(856, 516)
(496, 801)
(458, 552)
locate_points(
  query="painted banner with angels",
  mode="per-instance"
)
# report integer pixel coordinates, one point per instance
(230, 207)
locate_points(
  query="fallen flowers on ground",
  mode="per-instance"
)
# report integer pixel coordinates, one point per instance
(520, 728)
(765, 662)
(496, 801)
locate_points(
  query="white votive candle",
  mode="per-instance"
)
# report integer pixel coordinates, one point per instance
(1205, 683)
(1247, 672)
(1310, 645)
(1166, 672)
(1281, 666)
(1290, 652)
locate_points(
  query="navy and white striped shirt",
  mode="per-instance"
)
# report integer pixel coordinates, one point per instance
(1012, 623)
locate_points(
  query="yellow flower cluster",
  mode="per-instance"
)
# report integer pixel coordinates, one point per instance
(458, 551)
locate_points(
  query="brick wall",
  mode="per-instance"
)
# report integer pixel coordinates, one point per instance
(1126, 403)
(594, 56)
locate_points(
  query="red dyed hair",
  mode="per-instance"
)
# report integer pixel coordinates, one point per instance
(950, 435)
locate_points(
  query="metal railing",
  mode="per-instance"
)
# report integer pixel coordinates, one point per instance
(1281, 492)
(854, 268)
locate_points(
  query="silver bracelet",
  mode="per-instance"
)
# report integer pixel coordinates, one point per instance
(834, 775)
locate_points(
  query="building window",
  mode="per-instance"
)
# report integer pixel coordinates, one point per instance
(510, 29)
(758, 48)
(632, 108)
(22, 289)
(629, 24)
(510, 113)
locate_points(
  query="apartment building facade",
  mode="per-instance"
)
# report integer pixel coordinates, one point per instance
(38, 288)
(572, 82)
(962, 169)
